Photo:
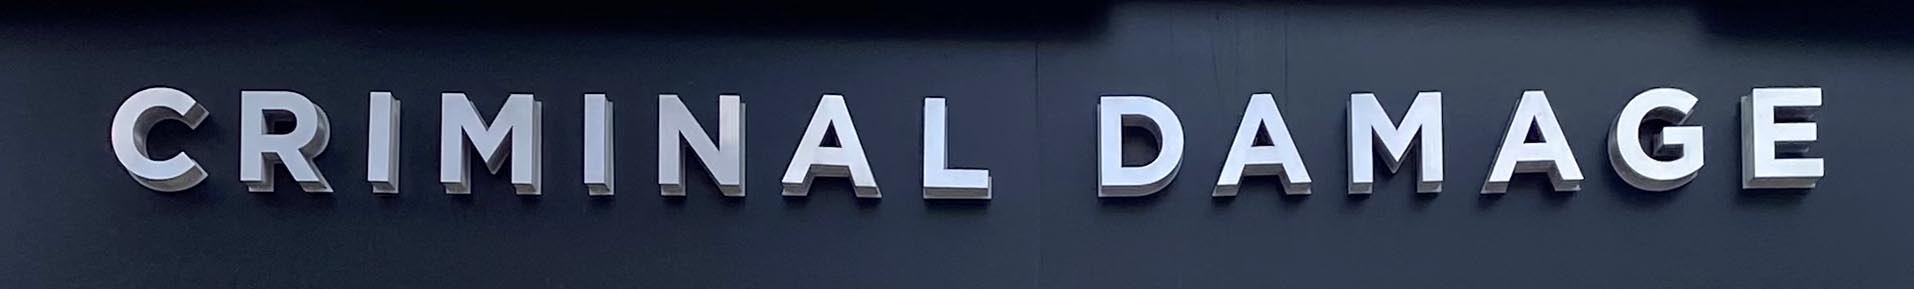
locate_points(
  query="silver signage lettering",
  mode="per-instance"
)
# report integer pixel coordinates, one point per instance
(1637, 165)
(259, 149)
(1248, 159)
(135, 118)
(459, 121)
(382, 143)
(940, 181)
(598, 145)
(1764, 137)
(1113, 114)
(1516, 155)
(813, 160)
(1777, 130)
(1369, 124)
(723, 160)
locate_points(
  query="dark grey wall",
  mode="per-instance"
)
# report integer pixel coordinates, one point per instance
(1023, 94)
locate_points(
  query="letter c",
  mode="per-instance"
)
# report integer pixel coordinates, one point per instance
(136, 117)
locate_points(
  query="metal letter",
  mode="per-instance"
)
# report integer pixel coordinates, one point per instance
(1248, 159)
(259, 149)
(1516, 155)
(941, 182)
(382, 143)
(1764, 136)
(1369, 123)
(598, 145)
(459, 121)
(1113, 114)
(724, 160)
(135, 118)
(1637, 166)
(814, 160)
